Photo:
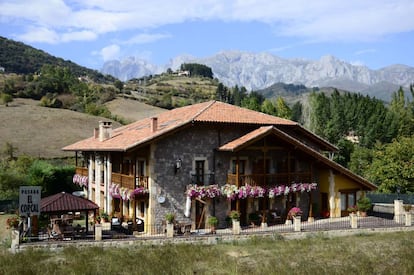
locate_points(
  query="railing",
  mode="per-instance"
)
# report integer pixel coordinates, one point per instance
(129, 182)
(83, 171)
(269, 179)
(123, 180)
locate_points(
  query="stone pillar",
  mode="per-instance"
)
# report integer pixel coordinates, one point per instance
(398, 211)
(331, 194)
(353, 220)
(90, 177)
(98, 180)
(407, 219)
(236, 227)
(98, 232)
(108, 196)
(170, 230)
(297, 223)
(15, 240)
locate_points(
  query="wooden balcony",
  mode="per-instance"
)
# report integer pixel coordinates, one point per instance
(126, 181)
(130, 182)
(83, 171)
(269, 179)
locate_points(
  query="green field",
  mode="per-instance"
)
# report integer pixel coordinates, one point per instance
(385, 253)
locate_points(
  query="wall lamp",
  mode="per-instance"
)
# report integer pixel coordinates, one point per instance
(177, 165)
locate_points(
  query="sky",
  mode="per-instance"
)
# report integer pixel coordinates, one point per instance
(373, 33)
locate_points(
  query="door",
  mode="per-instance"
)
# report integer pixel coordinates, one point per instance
(200, 209)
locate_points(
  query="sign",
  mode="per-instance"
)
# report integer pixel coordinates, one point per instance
(29, 200)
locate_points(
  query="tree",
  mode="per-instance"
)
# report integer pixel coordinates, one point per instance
(269, 108)
(282, 108)
(392, 166)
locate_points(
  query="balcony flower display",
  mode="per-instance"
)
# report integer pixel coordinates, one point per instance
(276, 191)
(139, 191)
(294, 187)
(209, 191)
(114, 191)
(80, 180)
(248, 191)
(230, 191)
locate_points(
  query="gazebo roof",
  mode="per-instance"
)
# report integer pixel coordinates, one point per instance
(64, 202)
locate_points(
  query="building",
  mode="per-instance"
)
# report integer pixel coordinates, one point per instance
(208, 159)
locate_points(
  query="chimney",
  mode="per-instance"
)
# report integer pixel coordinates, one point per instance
(154, 124)
(105, 130)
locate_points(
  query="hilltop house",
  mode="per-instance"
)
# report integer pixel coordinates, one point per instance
(208, 159)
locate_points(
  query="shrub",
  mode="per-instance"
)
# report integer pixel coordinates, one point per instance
(364, 204)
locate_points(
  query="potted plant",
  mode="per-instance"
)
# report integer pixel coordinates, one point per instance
(235, 221)
(407, 207)
(213, 222)
(352, 209)
(234, 215)
(294, 212)
(364, 204)
(105, 216)
(12, 222)
(170, 217)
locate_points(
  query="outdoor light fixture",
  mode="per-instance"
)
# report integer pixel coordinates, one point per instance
(177, 165)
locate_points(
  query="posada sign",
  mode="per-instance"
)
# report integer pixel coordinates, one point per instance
(29, 200)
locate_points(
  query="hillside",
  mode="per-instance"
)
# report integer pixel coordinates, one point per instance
(17, 57)
(42, 132)
(170, 90)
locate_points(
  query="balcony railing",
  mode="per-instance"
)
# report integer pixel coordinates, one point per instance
(125, 181)
(269, 179)
(83, 171)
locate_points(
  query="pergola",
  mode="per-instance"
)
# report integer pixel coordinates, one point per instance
(62, 203)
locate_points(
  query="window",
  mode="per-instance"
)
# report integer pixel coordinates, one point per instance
(199, 172)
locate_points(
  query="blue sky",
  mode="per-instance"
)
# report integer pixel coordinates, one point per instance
(374, 33)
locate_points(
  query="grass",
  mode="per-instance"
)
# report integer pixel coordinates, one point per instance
(42, 132)
(387, 253)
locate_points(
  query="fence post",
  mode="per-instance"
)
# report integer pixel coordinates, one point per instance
(98, 232)
(170, 230)
(407, 218)
(15, 240)
(236, 227)
(354, 220)
(398, 211)
(297, 223)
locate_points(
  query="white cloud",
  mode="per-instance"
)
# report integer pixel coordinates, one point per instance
(145, 38)
(110, 52)
(78, 36)
(39, 34)
(318, 19)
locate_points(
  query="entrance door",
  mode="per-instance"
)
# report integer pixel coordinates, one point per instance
(200, 209)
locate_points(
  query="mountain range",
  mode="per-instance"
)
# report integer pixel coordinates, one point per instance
(257, 71)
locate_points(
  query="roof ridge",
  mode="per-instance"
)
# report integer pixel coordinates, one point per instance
(204, 109)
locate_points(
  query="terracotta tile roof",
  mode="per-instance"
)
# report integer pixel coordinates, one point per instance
(64, 202)
(139, 132)
(247, 139)
(259, 133)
